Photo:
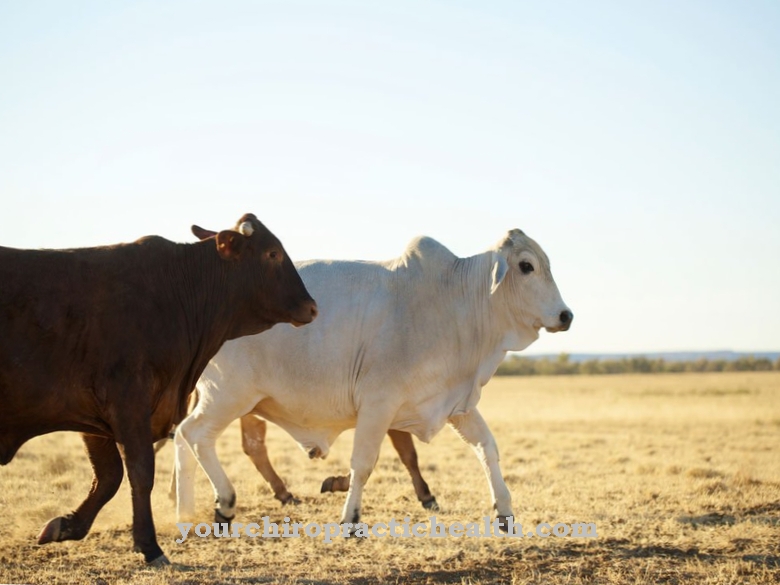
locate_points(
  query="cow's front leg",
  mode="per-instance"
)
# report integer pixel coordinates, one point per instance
(107, 477)
(473, 429)
(135, 438)
(369, 433)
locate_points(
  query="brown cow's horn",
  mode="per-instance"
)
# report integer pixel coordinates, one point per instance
(246, 228)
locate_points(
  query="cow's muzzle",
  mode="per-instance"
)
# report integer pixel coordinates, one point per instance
(564, 322)
(306, 314)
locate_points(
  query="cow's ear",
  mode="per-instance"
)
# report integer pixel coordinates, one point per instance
(202, 234)
(498, 272)
(229, 244)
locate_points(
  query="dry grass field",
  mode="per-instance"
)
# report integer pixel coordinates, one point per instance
(680, 473)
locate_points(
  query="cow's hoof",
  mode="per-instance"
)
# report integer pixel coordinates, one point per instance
(432, 505)
(503, 523)
(50, 532)
(327, 485)
(219, 518)
(161, 561)
(353, 535)
(289, 499)
(315, 453)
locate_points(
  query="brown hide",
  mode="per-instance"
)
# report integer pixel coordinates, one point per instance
(110, 341)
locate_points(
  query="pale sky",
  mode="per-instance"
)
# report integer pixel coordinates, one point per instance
(638, 143)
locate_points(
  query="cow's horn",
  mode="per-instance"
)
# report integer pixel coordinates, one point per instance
(246, 228)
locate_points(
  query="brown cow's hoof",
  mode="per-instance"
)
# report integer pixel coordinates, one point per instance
(432, 505)
(161, 561)
(50, 532)
(290, 499)
(327, 485)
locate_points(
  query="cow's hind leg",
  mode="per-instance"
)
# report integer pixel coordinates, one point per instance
(404, 445)
(183, 478)
(107, 477)
(201, 434)
(253, 430)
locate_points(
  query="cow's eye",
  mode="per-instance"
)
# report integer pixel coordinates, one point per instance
(526, 267)
(273, 254)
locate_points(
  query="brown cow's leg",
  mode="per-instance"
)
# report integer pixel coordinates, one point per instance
(404, 445)
(135, 437)
(107, 477)
(253, 430)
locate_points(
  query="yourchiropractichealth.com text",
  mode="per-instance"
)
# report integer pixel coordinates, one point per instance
(432, 528)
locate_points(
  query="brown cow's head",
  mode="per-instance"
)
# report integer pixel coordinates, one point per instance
(267, 283)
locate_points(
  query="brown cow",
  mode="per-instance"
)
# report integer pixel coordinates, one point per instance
(110, 341)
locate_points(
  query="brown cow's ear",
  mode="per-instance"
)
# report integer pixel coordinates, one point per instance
(229, 244)
(202, 234)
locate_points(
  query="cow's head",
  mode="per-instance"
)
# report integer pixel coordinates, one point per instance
(266, 286)
(521, 276)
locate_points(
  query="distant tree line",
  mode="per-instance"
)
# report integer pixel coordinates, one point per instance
(563, 366)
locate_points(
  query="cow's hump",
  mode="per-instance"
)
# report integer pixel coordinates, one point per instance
(427, 254)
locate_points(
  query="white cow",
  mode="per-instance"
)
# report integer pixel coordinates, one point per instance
(405, 344)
